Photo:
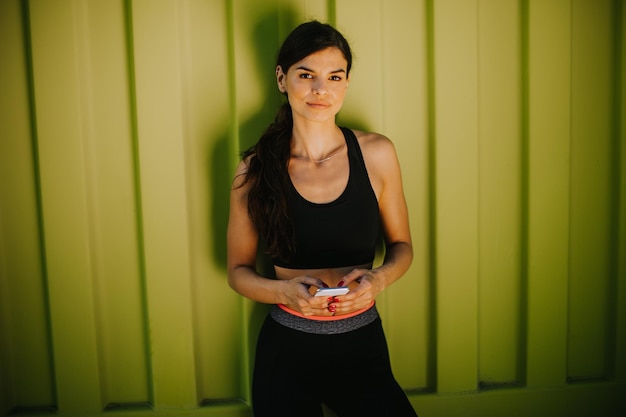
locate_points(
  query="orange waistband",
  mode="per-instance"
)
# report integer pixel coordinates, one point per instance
(326, 318)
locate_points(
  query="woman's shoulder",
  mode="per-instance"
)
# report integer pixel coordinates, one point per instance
(380, 158)
(375, 146)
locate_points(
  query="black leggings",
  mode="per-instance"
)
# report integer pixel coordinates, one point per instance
(295, 372)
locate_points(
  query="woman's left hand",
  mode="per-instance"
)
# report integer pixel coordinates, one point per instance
(368, 286)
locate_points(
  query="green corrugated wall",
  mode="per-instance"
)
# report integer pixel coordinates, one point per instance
(120, 125)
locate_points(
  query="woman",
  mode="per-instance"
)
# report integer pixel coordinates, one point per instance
(318, 196)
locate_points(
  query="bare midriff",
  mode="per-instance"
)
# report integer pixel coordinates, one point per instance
(330, 276)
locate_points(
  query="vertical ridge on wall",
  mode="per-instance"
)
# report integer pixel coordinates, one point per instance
(407, 305)
(456, 96)
(548, 184)
(620, 110)
(26, 373)
(234, 142)
(31, 138)
(233, 133)
(331, 6)
(245, 65)
(618, 245)
(65, 216)
(499, 170)
(209, 163)
(430, 195)
(591, 204)
(107, 130)
(524, 190)
(136, 183)
(165, 205)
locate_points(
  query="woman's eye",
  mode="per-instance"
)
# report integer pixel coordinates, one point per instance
(335, 78)
(305, 75)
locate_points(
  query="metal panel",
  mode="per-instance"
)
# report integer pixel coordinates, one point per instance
(112, 203)
(456, 193)
(500, 199)
(209, 155)
(64, 182)
(593, 188)
(163, 195)
(407, 309)
(548, 190)
(25, 357)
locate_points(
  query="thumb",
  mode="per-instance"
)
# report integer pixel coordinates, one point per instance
(313, 282)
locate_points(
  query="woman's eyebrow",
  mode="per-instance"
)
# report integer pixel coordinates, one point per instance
(340, 70)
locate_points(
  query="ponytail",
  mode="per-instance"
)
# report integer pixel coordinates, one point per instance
(268, 179)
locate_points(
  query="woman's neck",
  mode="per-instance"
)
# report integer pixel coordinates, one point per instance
(315, 140)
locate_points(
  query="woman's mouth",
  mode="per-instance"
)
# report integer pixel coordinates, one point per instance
(318, 105)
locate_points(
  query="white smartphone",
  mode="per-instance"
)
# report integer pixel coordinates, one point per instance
(329, 292)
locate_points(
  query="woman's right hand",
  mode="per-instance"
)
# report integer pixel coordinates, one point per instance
(297, 296)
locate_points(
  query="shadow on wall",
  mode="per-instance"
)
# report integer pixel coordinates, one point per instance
(264, 38)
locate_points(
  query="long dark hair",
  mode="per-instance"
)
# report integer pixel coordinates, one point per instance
(268, 159)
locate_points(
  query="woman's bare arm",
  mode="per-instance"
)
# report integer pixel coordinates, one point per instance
(242, 246)
(385, 175)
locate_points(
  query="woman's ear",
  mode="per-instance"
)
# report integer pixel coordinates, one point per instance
(280, 79)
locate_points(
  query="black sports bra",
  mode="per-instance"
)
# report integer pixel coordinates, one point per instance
(341, 233)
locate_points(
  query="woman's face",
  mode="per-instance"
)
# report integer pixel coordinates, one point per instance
(316, 85)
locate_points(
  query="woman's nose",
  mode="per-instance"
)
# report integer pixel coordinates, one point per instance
(319, 86)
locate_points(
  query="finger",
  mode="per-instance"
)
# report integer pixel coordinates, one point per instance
(332, 309)
(351, 276)
(321, 310)
(320, 303)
